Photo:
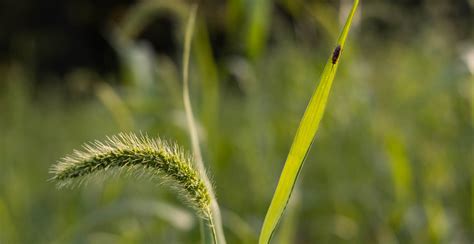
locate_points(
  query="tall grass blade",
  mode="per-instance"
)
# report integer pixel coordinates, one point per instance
(186, 99)
(215, 218)
(304, 137)
(258, 27)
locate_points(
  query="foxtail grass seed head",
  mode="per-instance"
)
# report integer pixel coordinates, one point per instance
(140, 154)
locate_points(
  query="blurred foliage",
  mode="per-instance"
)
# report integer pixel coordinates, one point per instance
(393, 162)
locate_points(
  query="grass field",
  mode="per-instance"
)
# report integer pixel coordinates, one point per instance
(392, 161)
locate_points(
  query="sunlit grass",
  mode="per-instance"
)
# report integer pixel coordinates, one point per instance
(393, 101)
(304, 136)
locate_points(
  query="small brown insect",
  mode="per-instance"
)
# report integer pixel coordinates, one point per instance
(336, 54)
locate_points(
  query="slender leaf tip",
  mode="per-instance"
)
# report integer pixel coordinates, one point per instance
(304, 137)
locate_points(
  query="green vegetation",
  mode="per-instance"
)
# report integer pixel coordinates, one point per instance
(137, 155)
(392, 162)
(129, 151)
(304, 136)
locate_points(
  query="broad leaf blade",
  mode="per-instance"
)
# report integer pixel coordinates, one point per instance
(304, 138)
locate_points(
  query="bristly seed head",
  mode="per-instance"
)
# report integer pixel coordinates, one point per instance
(136, 153)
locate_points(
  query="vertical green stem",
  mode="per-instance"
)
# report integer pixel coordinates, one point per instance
(214, 212)
(212, 227)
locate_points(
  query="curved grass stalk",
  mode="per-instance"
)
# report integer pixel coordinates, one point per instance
(304, 137)
(137, 154)
(215, 222)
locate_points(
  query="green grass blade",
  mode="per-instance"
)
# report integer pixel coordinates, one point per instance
(304, 137)
(214, 221)
(208, 233)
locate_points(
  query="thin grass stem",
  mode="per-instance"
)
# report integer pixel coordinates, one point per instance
(216, 222)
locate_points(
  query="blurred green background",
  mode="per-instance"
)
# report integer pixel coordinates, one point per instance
(392, 162)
